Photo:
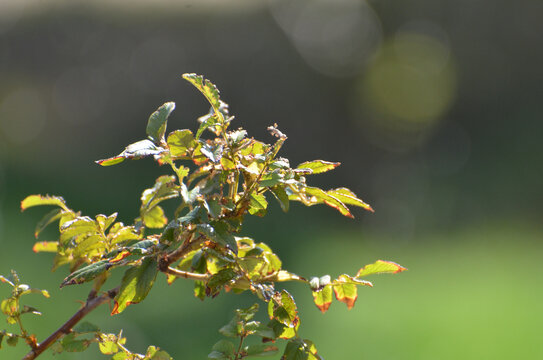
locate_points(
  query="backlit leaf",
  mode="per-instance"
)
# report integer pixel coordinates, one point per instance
(45, 246)
(156, 126)
(155, 218)
(318, 166)
(323, 298)
(345, 289)
(205, 86)
(380, 267)
(135, 285)
(37, 200)
(298, 349)
(180, 142)
(321, 196)
(283, 309)
(348, 197)
(257, 204)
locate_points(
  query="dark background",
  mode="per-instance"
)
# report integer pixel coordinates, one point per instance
(432, 107)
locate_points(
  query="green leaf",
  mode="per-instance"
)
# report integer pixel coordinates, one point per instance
(283, 309)
(260, 350)
(348, 197)
(86, 273)
(108, 347)
(281, 196)
(156, 126)
(318, 166)
(218, 280)
(346, 291)
(12, 340)
(181, 142)
(135, 285)
(380, 267)
(78, 226)
(69, 343)
(282, 331)
(223, 349)
(320, 196)
(154, 353)
(45, 246)
(165, 188)
(38, 200)
(124, 233)
(298, 349)
(106, 221)
(86, 327)
(205, 86)
(270, 179)
(9, 306)
(51, 216)
(323, 298)
(137, 150)
(155, 218)
(257, 204)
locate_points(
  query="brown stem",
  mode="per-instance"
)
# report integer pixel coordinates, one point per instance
(178, 253)
(66, 328)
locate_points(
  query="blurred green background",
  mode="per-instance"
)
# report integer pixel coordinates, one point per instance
(432, 106)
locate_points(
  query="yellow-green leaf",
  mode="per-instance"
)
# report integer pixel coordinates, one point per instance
(348, 197)
(37, 200)
(380, 267)
(180, 142)
(323, 298)
(45, 246)
(155, 218)
(318, 166)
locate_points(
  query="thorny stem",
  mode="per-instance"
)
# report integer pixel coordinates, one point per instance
(66, 328)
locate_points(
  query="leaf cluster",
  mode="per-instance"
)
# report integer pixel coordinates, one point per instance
(218, 177)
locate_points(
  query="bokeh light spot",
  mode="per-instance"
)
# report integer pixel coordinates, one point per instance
(334, 37)
(406, 91)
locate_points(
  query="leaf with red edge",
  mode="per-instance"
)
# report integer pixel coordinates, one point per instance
(135, 285)
(323, 298)
(380, 267)
(348, 197)
(45, 246)
(37, 200)
(283, 309)
(345, 289)
(318, 166)
(321, 196)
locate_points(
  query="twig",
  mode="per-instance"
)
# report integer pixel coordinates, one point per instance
(66, 328)
(184, 274)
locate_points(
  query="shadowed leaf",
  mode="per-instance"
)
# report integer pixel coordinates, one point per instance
(135, 285)
(86, 273)
(156, 126)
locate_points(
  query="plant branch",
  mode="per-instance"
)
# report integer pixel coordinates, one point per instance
(66, 328)
(184, 274)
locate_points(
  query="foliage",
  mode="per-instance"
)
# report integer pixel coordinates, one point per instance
(215, 183)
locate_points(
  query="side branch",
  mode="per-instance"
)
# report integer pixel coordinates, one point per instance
(91, 304)
(183, 274)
